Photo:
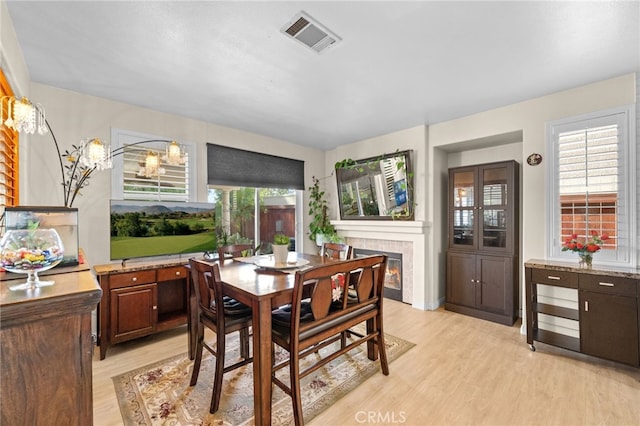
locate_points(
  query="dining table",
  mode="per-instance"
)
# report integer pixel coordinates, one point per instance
(259, 283)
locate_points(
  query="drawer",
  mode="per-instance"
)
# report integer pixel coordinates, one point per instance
(555, 278)
(132, 278)
(173, 273)
(611, 285)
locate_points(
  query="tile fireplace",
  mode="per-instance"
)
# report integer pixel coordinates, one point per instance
(407, 238)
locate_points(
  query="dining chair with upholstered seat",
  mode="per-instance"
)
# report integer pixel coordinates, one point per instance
(337, 250)
(235, 250)
(320, 313)
(223, 315)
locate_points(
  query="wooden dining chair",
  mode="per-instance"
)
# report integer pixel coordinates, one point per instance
(337, 250)
(319, 318)
(223, 315)
(235, 250)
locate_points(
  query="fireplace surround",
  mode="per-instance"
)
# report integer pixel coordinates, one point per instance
(405, 237)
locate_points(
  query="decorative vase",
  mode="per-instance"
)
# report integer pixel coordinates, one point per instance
(29, 251)
(586, 260)
(280, 254)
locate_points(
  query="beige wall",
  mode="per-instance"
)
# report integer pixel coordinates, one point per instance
(507, 133)
(517, 131)
(75, 116)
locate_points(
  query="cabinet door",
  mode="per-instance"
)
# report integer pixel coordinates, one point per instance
(462, 208)
(493, 207)
(609, 326)
(461, 277)
(494, 283)
(46, 370)
(134, 312)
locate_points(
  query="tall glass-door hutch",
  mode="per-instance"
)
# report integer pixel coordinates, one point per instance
(483, 250)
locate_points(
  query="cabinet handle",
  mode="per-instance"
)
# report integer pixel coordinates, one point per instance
(606, 284)
(473, 281)
(551, 277)
(134, 279)
(178, 273)
(155, 308)
(586, 306)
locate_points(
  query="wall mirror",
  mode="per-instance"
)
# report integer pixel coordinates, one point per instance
(376, 188)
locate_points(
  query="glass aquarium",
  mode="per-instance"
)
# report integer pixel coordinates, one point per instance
(63, 219)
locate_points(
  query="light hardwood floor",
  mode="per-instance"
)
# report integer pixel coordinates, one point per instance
(462, 371)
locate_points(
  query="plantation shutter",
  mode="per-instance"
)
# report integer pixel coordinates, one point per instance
(588, 180)
(588, 160)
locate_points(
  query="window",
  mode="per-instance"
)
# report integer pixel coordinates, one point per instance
(593, 183)
(8, 152)
(257, 193)
(142, 173)
(238, 208)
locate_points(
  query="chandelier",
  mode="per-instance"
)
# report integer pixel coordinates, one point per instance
(23, 116)
(94, 154)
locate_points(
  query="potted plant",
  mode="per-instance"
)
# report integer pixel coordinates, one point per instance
(280, 248)
(320, 227)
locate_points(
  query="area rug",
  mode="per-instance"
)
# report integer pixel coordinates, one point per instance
(159, 394)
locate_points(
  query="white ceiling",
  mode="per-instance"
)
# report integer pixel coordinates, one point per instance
(399, 65)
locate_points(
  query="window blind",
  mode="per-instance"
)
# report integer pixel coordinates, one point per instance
(237, 167)
(8, 152)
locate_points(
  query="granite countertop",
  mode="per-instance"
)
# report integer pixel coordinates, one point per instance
(133, 266)
(612, 271)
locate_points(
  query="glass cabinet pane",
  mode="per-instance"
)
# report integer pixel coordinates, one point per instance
(463, 189)
(463, 227)
(494, 187)
(494, 228)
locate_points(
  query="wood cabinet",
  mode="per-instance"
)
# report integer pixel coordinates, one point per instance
(46, 350)
(594, 312)
(482, 259)
(140, 300)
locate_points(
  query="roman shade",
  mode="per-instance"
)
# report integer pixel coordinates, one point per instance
(238, 167)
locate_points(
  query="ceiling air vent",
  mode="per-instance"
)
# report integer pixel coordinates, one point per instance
(310, 33)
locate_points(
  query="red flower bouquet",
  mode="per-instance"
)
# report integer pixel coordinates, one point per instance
(585, 248)
(591, 244)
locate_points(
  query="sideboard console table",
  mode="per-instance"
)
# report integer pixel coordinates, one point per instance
(46, 349)
(140, 299)
(592, 311)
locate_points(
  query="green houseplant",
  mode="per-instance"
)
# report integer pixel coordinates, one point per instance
(280, 248)
(320, 227)
(281, 239)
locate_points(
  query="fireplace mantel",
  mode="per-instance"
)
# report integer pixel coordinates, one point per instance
(412, 227)
(406, 237)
